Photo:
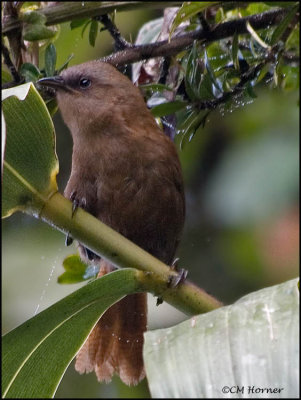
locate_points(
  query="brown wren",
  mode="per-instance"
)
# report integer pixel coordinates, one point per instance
(126, 172)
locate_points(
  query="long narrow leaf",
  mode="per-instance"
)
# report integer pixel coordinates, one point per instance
(280, 29)
(36, 354)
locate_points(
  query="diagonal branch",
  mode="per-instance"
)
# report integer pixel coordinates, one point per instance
(221, 31)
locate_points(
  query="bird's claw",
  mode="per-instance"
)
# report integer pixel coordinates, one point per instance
(90, 255)
(159, 301)
(69, 240)
(174, 264)
(77, 202)
(175, 280)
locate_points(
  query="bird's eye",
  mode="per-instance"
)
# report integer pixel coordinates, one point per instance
(84, 83)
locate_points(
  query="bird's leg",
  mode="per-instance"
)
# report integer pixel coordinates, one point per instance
(175, 280)
(69, 240)
(80, 202)
(77, 202)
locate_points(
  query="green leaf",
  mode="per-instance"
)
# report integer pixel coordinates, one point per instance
(283, 4)
(33, 17)
(252, 342)
(191, 124)
(85, 26)
(266, 68)
(76, 270)
(211, 73)
(5, 76)
(30, 72)
(30, 164)
(50, 59)
(93, 32)
(76, 23)
(154, 87)
(36, 354)
(235, 51)
(250, 91)
(280, 29)
(52, 106)
(168, 108)
(188, 10)
(193, 75)
(33, 32)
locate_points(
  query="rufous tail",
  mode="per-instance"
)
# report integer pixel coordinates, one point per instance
(115, 344)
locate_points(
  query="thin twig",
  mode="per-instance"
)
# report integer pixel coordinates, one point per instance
(120, 42)
(10, 65)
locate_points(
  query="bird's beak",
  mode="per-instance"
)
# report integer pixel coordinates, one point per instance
(54, 82)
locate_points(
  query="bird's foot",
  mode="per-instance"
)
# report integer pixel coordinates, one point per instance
(90, 255)
(159, 301)
(175, 280)
(77, 202)
(69, 240)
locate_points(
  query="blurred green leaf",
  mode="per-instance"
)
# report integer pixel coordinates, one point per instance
(283, 4)
(206, 88)
(168, 108)
(190, 125)
(250, 91)
(76, 270)
(280, 29)
(263, 72)
(211, 73)
(6, 76)
(33, 17)
(202, 356)
(52, 106)
(36, 354)
(294, 40)
(33, 32)
(235, 51)
(194, 73)
(30, 164)
(290, 77)
(154, 87)
(93, 32)
(76, 23)
(50, 59)
(188, 10)
(30, 72)
(85, 26)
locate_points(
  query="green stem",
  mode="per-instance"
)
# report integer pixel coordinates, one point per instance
(121, 252)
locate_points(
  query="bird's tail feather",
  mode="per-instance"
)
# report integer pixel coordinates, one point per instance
(115, 343)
